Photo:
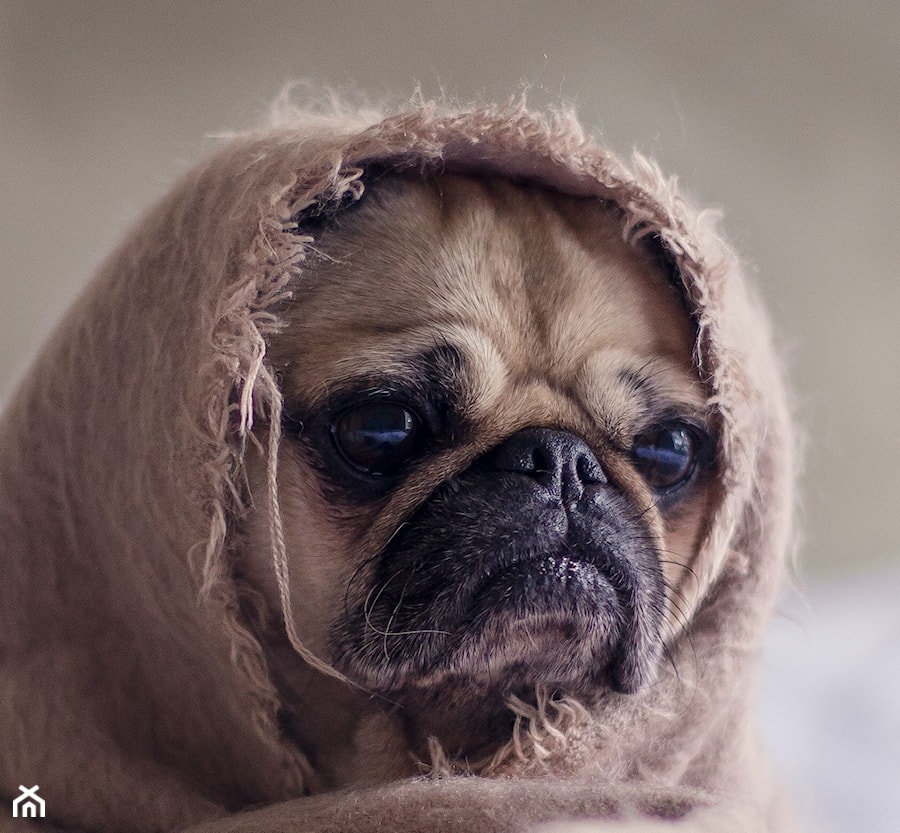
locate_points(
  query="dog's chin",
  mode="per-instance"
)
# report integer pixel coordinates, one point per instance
(480, 598)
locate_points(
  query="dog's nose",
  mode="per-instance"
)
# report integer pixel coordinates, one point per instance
(561, 462)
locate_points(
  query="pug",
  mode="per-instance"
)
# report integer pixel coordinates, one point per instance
(495, 462)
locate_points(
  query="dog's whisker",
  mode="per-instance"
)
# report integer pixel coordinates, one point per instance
(679, 612)
(397, 608)
(370, 603)
(414, 632)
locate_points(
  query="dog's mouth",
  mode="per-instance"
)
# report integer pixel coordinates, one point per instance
(524, 582)
(558, 592)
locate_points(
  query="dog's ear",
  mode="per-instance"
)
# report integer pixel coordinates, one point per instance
(326, 208)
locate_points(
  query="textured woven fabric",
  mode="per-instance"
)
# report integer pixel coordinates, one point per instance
(133, 691)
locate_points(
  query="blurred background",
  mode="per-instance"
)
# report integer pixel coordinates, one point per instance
(785, 115)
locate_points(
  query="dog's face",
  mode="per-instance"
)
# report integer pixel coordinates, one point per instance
(495, 462)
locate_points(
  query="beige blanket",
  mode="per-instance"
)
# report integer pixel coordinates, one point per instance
(132, 690)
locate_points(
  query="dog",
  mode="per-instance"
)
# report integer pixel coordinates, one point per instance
(495, 464)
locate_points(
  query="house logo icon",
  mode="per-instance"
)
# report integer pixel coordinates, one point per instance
(29, 805)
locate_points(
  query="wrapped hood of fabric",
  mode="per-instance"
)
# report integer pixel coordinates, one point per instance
(133, 690)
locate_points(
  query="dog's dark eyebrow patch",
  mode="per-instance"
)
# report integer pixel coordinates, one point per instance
(642, 387)
(656, 404)
(433, 380)
(637, 383)
(440, 367)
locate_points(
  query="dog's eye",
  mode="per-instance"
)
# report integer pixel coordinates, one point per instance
(377, 437)
(666, 456)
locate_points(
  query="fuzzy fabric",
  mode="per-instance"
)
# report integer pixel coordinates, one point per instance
(132, 690)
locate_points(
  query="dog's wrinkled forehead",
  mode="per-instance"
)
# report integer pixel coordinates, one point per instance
(527, 284)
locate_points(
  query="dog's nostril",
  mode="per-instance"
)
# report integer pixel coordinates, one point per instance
(542, 461)
(589, 470)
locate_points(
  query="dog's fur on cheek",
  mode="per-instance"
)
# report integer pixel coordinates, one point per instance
(547, 318)
(328, 720)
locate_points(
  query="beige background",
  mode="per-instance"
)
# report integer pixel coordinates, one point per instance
(785, 114)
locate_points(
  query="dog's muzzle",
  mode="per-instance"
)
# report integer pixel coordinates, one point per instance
(528, 568)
